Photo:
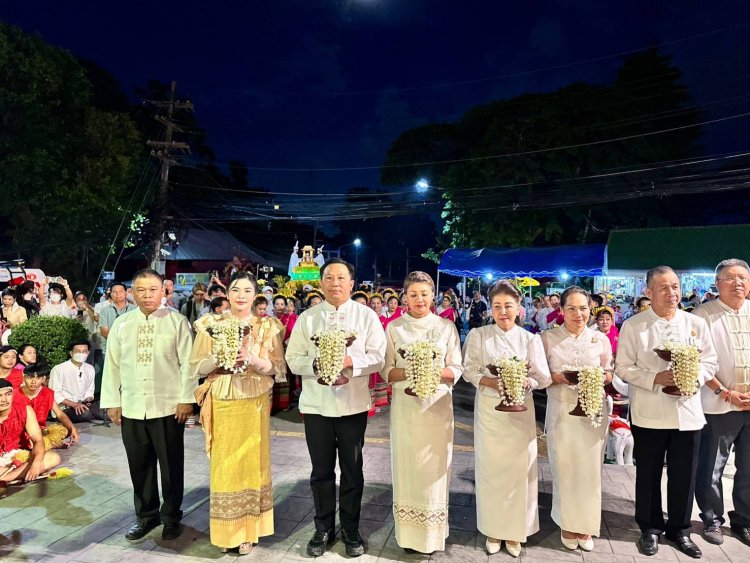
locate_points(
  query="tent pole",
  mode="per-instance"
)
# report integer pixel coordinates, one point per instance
(437, 289)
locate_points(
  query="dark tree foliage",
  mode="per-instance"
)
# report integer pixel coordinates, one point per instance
(538, 169)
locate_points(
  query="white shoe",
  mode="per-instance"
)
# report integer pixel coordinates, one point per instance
(513, 547)
(491, 546)
(586, 545)
(571, 543)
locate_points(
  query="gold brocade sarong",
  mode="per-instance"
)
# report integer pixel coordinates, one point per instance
(241, 503)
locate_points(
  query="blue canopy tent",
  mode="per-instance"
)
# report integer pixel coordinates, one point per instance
(579, 260)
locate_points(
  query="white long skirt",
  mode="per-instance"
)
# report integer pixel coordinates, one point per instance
(575, 450)
(506, 470)
(421, 454)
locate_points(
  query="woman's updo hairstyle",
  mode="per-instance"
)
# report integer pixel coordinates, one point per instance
(503, 287)
(243, 275)
(418, 277)
(572, 290)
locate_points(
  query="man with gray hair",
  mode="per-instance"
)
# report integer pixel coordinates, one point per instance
(664, 424)
(726, 402)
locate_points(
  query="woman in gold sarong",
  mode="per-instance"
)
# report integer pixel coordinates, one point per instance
(235, 416)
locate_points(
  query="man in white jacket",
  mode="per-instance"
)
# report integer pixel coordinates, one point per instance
(663, 424)
(726, 402)
(335, 416)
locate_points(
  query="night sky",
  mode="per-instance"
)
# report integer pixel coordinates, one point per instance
(330, 84)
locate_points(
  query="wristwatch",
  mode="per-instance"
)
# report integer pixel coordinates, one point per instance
(719, 391)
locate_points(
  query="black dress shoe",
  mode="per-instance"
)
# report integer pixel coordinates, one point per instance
(742, 533)
(686, 546)
(648, 544)
(321, 540)
(171, 531)
(353, 543)
(140, 529)
(712, 534)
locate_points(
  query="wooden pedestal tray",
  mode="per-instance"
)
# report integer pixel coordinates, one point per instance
(341, 379)
(409, 391)
(505, 403)
(673, 390)
(572, 377)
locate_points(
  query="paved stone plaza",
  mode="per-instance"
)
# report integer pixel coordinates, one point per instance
(84, 518)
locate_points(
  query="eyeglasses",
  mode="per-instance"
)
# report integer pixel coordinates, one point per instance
(734, 279)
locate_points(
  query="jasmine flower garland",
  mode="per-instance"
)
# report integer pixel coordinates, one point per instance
(591, 394)
(512, 373)
(423, 366)
(330, 353)
(685, 366)
(228, 334)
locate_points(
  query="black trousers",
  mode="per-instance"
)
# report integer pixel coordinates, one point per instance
(681, 450)
(148, 442)
(94, 413)
(326, 436)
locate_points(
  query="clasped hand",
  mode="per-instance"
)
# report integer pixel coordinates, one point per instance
(664, 378)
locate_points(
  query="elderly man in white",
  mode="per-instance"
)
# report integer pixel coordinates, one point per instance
(336, 416)
(726, 402)
(664, 424)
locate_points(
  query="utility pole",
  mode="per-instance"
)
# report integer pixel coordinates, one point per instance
(164, 151)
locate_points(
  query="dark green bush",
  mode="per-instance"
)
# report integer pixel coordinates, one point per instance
(51, 336)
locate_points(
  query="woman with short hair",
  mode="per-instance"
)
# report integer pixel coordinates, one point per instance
(505, 442)
(421, 429)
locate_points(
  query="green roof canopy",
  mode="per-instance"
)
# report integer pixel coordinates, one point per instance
(697, 249)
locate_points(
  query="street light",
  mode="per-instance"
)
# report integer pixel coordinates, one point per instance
(422, 185)
(357, 242)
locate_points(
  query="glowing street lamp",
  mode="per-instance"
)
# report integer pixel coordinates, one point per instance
(422, 185)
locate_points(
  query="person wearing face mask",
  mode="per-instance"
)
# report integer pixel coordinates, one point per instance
(52, 301)
(73, 384)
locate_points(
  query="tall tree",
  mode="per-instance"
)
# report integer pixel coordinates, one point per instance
(528, 170)
(67, 168)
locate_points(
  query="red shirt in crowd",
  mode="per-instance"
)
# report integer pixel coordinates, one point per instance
(288, 320)
(15, 377)
(12, 429)
(41, 404)
(555, 317)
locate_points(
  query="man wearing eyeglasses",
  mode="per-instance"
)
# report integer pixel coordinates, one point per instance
(726, 403)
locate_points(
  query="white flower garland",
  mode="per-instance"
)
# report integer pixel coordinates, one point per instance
(330, 353)
(228, 333)
(590, 391)
(685, 366)
(424, 363)
(512, 372)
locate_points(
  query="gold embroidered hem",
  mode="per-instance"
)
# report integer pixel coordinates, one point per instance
(241, 503)
(419, 516)
(250, 502)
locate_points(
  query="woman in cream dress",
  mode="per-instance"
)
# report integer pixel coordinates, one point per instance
(236, 419)
(575, 446)
(505, 442)
(421, 430)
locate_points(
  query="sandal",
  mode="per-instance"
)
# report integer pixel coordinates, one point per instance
(245, 548)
